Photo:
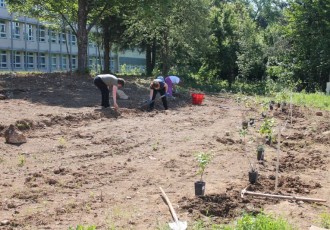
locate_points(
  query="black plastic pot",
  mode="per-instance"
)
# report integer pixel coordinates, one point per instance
(253, 177)
(260, 155)
(271, 107)
(199, 188)
(284, 107)
(245, 124)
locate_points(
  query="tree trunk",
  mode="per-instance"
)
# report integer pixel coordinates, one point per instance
(153, 55)
(106, 41)
(82, 36)
(148, 61)
(165, 55)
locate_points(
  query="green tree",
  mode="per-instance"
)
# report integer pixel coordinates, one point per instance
(220, 61)
(309, 32)
(251, 60)
(80, 16)
(172, 30)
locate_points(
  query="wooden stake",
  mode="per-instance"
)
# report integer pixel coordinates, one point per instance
(278, 156)
(281, 196)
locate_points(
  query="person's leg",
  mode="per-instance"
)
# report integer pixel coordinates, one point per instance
(151, 106)
(105, 97)
(170, 86)
(164, 99)
(104, 91)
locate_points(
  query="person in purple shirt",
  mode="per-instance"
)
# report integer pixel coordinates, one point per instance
(171, 81)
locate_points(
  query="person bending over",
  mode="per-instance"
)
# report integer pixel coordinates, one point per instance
(171, 81)
(105, 82)
(155, 87)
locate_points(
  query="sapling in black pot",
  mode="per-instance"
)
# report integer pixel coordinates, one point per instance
(203, 159)
(266, 130)
(253, 173)
(260, 152)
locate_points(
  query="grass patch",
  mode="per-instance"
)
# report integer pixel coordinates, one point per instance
(261, 221)
(325, 220)
(263, 89)
(315, 100)
(81, 227)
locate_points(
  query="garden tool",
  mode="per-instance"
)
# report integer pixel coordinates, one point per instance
(148, 102)
(177, 225)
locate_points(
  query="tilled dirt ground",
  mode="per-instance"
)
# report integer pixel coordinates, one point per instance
(84, 165)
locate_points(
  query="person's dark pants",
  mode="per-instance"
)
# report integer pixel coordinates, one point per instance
(164, 100)
(104, 91)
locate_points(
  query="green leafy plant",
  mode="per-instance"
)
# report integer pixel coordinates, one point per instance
(282, 96)
(21, 160)
(62, 142)
(266, 128)
(264, 109)
(155, 146)
(261, 222)
(260, 148)
(23, 125)
(325, 220)
(203, 160)
(81, 227)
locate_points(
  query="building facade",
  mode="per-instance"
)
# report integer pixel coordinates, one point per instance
(28, 45)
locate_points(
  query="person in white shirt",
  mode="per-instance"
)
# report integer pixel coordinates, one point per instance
(171, 81)
(106, 81)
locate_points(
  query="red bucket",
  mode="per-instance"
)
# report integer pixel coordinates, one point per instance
(197, 98)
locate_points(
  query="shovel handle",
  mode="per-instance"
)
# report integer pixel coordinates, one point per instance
(175, 217)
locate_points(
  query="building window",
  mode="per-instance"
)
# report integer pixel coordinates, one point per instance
(62, 38)
(2, 3)
(17, 59)
(53, 36)
(42, 61)
(91, 63)
(16, 30)
(64, 65)
(42, 34)
(91, 44)
(74, 62)
(30, 60)
(3, 29)
(3, 60)
(73, 40)
(29, 33)
(112, 63)
(54, 62)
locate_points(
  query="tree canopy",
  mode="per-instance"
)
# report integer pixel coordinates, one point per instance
(248, 40)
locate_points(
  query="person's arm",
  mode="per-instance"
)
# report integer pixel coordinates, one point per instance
(151, 93)
(166, 88)
(114, 95)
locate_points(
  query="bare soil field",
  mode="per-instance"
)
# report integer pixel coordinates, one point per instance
(84, 165)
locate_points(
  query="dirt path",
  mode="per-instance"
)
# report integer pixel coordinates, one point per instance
(83, 165)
